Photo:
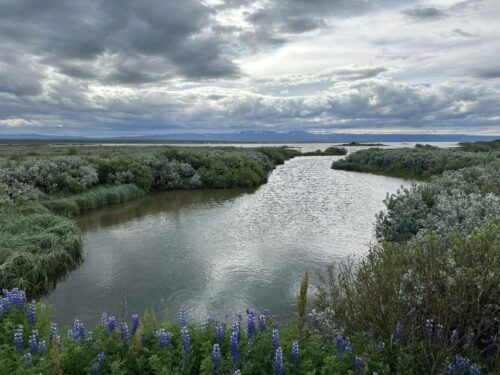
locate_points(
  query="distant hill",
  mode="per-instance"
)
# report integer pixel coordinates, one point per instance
(258, 136)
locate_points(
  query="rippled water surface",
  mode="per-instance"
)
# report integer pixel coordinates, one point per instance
(221, 251)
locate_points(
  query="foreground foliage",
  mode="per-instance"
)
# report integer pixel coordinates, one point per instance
(31, 344)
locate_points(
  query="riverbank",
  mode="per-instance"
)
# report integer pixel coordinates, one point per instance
(48, 183)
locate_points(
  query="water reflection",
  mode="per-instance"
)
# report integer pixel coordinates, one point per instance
(222, 251)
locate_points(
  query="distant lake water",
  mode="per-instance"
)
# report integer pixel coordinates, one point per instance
(221, 251)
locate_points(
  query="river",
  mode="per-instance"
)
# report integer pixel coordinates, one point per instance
(221, 251)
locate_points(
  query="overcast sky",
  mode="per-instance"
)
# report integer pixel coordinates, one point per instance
(120, 67)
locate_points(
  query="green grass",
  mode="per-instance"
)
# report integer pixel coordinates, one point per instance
(97, 197)
(35, 246)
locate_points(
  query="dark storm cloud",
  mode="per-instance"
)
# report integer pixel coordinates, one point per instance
(116, 40)
(426, 13)
(299, 16)
(429, 13)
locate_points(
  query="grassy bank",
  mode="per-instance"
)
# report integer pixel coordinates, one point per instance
(36, 246)
(97, 197)
(38, 181)
(420, 162)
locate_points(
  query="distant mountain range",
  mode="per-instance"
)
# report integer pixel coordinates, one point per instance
(257, 136)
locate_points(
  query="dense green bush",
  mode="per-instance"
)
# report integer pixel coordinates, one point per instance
(119, 170)
(454, 201)
(419, 162)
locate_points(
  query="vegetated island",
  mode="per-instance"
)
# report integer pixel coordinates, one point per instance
(424, 300)
(363, 144)
(330, 151)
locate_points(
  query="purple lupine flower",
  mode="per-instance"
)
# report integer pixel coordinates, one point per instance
(266, 312)
(164, 337)
(136, 322)
(491, 348)
(340, 347)
(381, 346)
(16, 297)
(96, 368)
(295, 352)
(278, 362)
(400, 334)
(358, 364)
(53, 330)
(454, 339)
(236, 329)
(104, 319)
(251, 322)
(101, 357)
(276, 339)
(182, 315)
(429, 323)
(33, 341)
(42, 347)
(18, 339)
(475, 369)
(124, 331)
(347, 345)
(32, 313)
(439, 333)
(78, 330)
(262, 322)
(28, 358)
(217, 358)
(235, 349)
(186, 341)
(219, 334)
(461, 364)
(111, 323)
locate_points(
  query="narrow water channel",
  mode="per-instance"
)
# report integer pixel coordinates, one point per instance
(221, 251)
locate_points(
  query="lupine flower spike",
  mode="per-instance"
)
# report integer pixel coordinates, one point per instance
(217, 358)
(186, 341)
(278, 362)
(136, 322)
(296, 353)
(276, 339)
(235, 349)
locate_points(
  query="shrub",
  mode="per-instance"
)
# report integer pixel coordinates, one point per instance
(119, 170)
(419, 162)
(452, 280)
(58, 174)
(455, 201)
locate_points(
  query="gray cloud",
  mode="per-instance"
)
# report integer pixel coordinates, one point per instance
(117, 41)
(429, 13)
(426, 13)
